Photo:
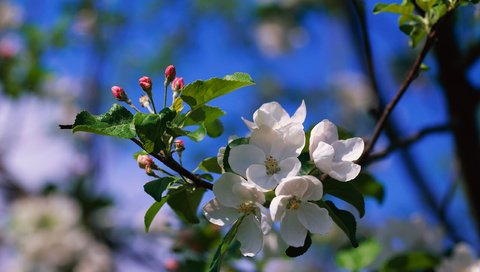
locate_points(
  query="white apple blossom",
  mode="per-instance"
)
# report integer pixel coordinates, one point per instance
(296, 214)
(332, 156)
(234, 198)
(463, 259)
(267, 158)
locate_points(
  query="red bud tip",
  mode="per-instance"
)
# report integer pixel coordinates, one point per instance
(179, 145)
(145, 83)
(170, 73)
(119, 93)
(144, 161)
(178, 84)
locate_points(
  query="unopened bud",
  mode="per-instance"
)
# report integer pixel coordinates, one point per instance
(179, 145)
(170, 74)
(146, 84)
(171, 264)
(178, 84)
(144, 161)
(144, 101)
(119, 94)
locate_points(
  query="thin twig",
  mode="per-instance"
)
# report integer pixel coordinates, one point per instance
(407, 142)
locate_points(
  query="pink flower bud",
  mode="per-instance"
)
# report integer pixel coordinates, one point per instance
(144, 161)
(178, 84)
(145, 83)
(119, 93)
(171, 264)
(170, 73)
(179, 145)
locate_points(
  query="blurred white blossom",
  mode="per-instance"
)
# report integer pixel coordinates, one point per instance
(462, 260)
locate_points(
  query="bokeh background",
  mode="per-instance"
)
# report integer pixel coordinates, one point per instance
(75, 202)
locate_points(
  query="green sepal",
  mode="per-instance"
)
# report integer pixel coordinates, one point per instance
(117, 122)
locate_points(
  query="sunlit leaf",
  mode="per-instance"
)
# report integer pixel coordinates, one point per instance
(360, 257)
(151, 128)
(198, 134)
(210, 165)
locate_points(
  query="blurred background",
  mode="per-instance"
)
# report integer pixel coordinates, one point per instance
(76, 202)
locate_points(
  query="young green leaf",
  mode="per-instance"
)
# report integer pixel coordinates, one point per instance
(198, 134)
(152, 212)
(184, 201)
(203, 114)
(360, 257)
(215, 265)
(368, 186)
(116, 122)
(215, 128)
(345, 220)
(411, 261)
(406, 7)
(210, 165)
(151, 128)
(200, 92)
(346, 192)
(155, 188)
(238, 141)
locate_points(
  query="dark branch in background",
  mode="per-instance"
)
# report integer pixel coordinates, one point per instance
(472, 55)
(407, 142)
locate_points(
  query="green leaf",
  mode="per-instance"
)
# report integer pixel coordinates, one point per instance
(411, 261)
(298, 251)
(155, 188)
(184, 201)
(200, 92)
(198, 134)
(369, 186)
(425, 5)
(151, 128)
(210, 165)
(346, 192)
(359, 258)
(214, 129)
(216, 262)
(116, 122)
(345, 220)
(238, 141)
(414, 26)
(406, 7)
(142, 152)
(307, 165)
(152, 212)
(203, 114)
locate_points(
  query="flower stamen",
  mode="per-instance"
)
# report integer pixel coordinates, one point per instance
(294, 203)
(272, 166)
(247, 208)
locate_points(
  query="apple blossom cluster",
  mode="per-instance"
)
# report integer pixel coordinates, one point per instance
(270, 162)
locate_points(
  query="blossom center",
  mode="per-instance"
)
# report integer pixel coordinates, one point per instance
(294, 203)
(247, 207)
(272, 165)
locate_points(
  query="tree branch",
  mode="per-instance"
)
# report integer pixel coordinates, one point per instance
(407, 142)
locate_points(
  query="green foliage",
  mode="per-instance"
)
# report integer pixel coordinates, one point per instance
(116, 122)
(345, 220)
(152, 212)
(359, 258)
(200, 92)
(298, 251)
(238, 141)
(210, 165)
(203, 114)
(222, 249)
(369, 186)
(214, 129)
(346, 192)
(155, 188)
(184, 201)
(151, 129)
(198, 134)
(410, 262)
(307, 165)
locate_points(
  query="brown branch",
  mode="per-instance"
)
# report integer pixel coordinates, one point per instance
(412, 74)
(407, 142)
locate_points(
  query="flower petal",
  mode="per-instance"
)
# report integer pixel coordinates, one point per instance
(251, 125)
(242, 156)
(314, 218)
(276, 111)
(348, 150)
(265, 219)
(267, 140)
(344, 171)
(296, 186)
(322, 156)
(250, 236)
(218, 214)
(231, 190)
(278, 206)
(294, 140)
(325, 131)
(257, 174)
(300, 114)
(314, 190)
(291, 230)
(288, 167)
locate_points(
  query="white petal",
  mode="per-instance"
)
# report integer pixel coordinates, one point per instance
(291, 230)
(264, 119)
(296, 186)
(250, 236)
(278, 206)
(300, 114)
(242, 156)
(325, 131)
(232, 190)
(257, 174)
(344, 171)
(276, 111)
(218, 214)
(348, 150)
(267, 139)
(288, 167)
(294, 140)
(251, 125)
(266, 219)
(315, 188)
(322, 156)
(314, 218)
